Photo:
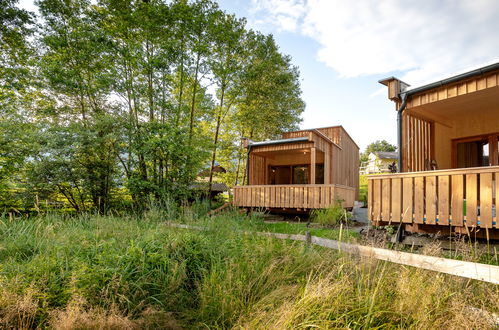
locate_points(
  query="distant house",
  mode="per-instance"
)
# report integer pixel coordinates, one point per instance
(380, 162)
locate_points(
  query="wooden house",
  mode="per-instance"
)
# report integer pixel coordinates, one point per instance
(307, 169)
(448, 155)
(381, 162)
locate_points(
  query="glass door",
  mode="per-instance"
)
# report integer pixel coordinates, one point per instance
(476, 151)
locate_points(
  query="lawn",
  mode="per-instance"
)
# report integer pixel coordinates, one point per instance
(137, 272)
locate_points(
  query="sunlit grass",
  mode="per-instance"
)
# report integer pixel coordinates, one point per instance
(138, 272)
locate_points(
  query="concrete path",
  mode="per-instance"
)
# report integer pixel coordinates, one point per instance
(360, 214)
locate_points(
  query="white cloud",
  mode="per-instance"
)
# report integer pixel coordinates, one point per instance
(423, 39)
(285, 14)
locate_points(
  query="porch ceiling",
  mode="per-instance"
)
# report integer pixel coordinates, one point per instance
(459, 107)
(270, 154)
(291, 157)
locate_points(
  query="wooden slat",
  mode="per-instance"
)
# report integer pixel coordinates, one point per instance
(407, 196)
(312, 165)
(396, 200)
(419, 199)
(471, 200)
(377, 200)
(486, 200)
(496, 176)
(443, 200)
(476, 170)
(457, 192)
(316, 197)
(385, 202)
(431, 200)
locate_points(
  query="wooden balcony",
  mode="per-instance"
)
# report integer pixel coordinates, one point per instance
(458, 197)
(299, 196)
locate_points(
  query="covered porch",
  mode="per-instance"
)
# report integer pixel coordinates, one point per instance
(295, 173)
(448, 141)
(454, 132)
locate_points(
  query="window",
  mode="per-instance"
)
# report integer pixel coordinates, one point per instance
(301, 174)
(319, 173)
(295, 174)
(473, 154)
(476, 151)
(280, 175)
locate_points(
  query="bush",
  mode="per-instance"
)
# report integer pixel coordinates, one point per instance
(363, 189)
(332, 216)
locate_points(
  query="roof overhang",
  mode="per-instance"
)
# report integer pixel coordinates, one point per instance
(281, 141)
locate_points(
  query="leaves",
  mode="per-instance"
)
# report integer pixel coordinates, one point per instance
(112, 97)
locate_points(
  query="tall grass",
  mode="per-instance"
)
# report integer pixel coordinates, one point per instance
(334, 215)
(137, 272)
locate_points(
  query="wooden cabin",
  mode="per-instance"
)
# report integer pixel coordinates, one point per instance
(307, 169)
(448, 157)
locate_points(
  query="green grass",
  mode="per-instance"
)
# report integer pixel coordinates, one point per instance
(138, 272)
(301, 228)
(256, 223)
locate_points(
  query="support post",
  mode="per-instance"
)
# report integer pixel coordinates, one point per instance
(312, 165)
(308, 237)
(327, 165)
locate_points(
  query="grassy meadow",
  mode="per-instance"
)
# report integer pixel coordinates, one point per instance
(127, 272)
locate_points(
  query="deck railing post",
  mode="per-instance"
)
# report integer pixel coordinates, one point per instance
(312, 165)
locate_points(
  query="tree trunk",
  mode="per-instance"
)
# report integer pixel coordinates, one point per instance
(215, 141)
(193, 102)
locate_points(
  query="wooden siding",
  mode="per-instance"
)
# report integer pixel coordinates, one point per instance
(282, 147)
(341, 160)
(465, 87)
(293, 196)
(257, 169)
(333, 133)
(418, 143)
(345, 163)
(460, 197)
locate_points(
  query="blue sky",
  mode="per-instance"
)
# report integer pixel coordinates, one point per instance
(342, 48)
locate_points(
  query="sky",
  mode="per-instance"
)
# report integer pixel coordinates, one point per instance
(342, 48)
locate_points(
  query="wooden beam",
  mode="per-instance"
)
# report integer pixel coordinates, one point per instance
(327, 165)
(493, 152)
(312, 165)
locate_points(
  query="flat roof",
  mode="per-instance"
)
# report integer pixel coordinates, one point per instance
(280, 141)
(439, 83)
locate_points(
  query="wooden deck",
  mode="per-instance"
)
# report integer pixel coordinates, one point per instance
(459, 197)
(304, 196)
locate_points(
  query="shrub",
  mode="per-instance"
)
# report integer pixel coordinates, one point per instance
(332, 216)
(363, 189)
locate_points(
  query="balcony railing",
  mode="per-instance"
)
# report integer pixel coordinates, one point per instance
(458, 197)
(304, 196)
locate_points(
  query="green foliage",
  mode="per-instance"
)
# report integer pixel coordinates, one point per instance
(363, 189)
(109, 99)
(331, 216)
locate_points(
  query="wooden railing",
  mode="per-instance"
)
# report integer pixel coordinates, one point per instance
(459, 197)
(303, 196)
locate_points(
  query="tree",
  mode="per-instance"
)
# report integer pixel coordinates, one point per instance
(225, 64)
(18, 132)
(378, 145)
(111, 97)
(270, 95)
